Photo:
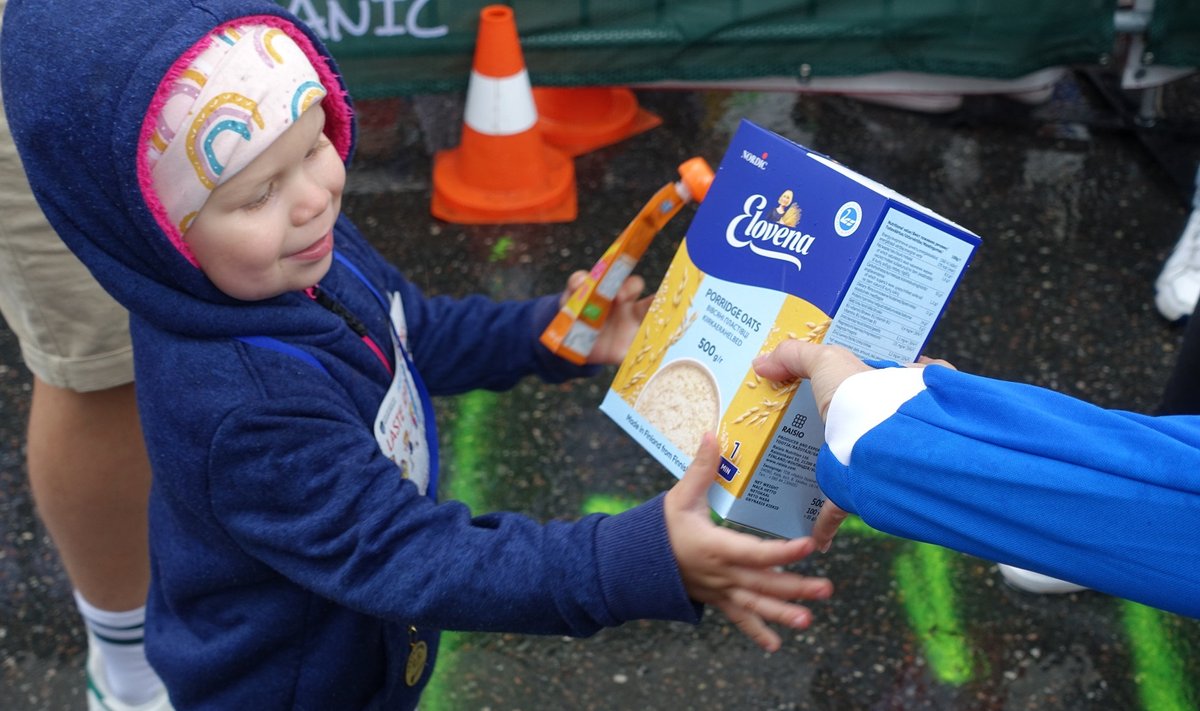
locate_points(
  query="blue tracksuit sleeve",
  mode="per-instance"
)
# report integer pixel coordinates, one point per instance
(1025, 476)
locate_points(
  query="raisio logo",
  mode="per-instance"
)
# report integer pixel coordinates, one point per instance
(765, 237)
(759, 162)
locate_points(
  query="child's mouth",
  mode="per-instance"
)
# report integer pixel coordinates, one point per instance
(317, 249)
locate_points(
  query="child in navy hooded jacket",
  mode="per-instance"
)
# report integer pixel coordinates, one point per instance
(192, 154)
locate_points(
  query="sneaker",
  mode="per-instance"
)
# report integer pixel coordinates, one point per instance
(100, 698)
(1178, 286)
(1030, 581)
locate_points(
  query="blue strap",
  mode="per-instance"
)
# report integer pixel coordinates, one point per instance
(274, 344)
(361, 277)
(431, 437)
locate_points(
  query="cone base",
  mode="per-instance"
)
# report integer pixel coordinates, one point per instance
(457, 201)
(580, 120)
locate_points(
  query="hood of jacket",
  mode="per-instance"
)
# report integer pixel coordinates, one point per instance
(78, 87)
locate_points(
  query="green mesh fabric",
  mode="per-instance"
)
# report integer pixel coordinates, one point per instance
(1174, 34)
(389, 47)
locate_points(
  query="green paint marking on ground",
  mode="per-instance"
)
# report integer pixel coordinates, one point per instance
(612, 505)
(1161, 681)
(469, 437)
(923, 573)
(436, 696)
(501, 249)
(607, 504)
(469, 453)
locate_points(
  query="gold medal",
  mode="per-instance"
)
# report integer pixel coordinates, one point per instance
(418, 654)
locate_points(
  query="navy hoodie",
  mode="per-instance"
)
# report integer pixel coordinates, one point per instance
(292, 566)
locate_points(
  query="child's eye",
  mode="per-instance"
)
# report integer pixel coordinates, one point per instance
(262, 200)
(317, 147)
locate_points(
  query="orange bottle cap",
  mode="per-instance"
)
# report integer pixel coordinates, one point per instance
(697, 175)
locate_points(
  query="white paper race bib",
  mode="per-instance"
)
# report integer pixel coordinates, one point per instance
(400, 422)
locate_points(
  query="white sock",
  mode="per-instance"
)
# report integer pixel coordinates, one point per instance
(119, 639)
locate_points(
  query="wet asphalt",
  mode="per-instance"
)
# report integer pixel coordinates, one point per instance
(1077, 204)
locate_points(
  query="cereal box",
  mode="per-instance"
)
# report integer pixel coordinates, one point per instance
(787, 244)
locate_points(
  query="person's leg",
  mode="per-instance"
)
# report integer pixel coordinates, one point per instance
(90, 480)
(87, 463)
(1181, 396)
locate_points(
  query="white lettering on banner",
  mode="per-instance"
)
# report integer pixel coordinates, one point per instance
(338, 19)
(336, 23)
(764, 231)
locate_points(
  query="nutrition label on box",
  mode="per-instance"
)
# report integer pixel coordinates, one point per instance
(898, 293)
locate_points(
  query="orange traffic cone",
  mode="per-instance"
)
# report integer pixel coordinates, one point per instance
(502, 171)
(579, 120)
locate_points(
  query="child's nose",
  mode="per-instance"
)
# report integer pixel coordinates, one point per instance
(312, 199)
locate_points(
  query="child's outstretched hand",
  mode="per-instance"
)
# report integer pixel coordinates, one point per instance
(737, 573)
(628, 309)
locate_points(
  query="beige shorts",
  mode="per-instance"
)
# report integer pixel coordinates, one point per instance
(72, 334)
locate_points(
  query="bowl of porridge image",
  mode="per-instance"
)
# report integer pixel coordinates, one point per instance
(682, 401)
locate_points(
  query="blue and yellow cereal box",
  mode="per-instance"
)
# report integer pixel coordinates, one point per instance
(787, 244)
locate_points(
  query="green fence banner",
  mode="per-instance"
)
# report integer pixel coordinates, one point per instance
(1174, 34)
(390, 47)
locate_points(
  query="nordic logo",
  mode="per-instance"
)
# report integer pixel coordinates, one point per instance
(764, 237)
(759, 162)
(849, 217)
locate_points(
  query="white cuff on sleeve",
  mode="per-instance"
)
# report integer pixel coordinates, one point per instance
(865, 400)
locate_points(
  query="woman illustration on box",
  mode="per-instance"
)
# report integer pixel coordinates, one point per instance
(791, 217)
(785, 201)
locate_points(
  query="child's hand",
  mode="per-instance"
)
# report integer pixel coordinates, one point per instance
(736, 572)
(626, 316)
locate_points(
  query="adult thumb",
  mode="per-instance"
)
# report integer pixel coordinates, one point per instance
(791, 359)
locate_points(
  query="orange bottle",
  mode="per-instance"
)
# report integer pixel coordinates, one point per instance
(573, 331)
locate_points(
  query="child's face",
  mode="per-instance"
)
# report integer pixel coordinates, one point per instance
(269, 229)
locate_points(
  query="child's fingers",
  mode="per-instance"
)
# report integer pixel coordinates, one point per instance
(641, 307)
(751, 551)
(742, 560)
(631, 288)
(768, 609)
(631, 312)
(785, 586)
(751, 625)
(576, 279)
(573, 282)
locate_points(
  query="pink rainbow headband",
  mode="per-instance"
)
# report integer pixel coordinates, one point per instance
(244, 88)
